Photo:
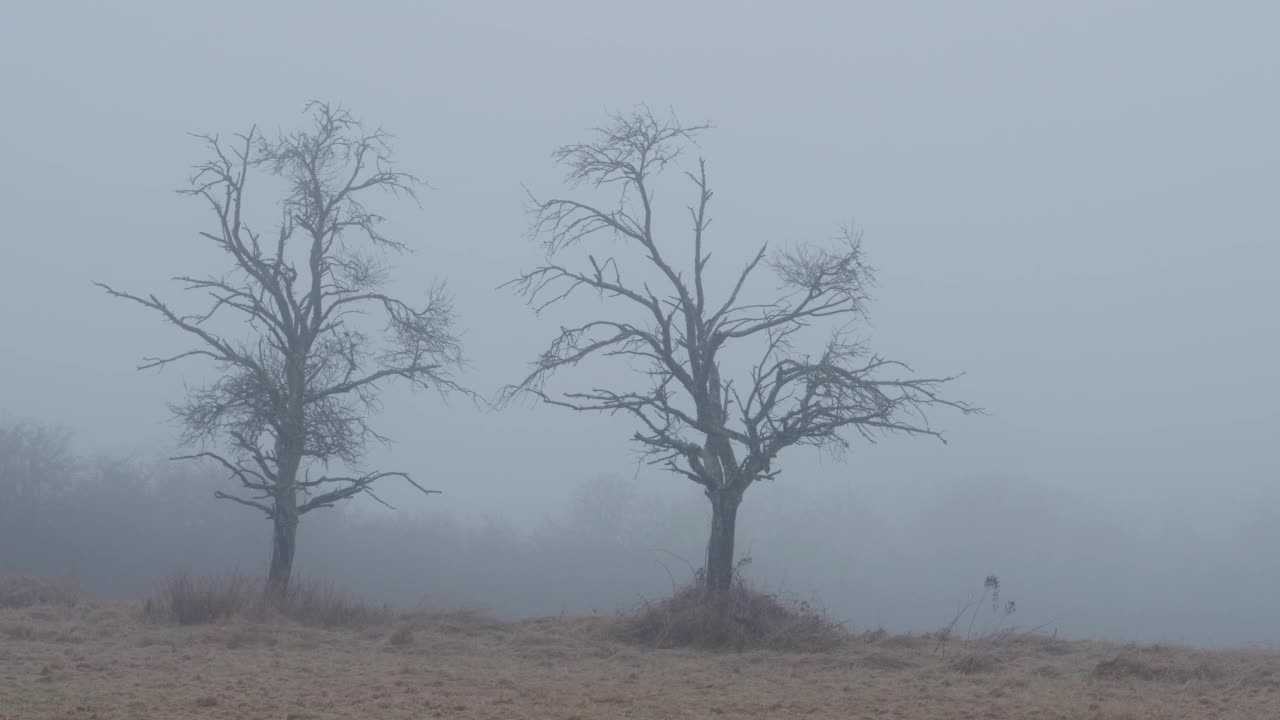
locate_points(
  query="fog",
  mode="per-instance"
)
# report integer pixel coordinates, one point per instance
(1073, 204)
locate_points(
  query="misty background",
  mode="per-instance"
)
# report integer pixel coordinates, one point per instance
(1072, 203)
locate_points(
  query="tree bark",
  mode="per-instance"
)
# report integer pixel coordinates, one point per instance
(284, 541)
(724, 519)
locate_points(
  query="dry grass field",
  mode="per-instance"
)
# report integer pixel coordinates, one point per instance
(65, 658)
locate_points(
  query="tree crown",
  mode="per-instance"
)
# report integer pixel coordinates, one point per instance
(304, 380)
(719, 432)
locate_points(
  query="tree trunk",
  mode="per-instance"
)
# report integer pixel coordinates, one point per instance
(284, 540)
(724, 519)
(290, 443)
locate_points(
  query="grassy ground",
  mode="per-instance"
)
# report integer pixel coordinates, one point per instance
(102, 661)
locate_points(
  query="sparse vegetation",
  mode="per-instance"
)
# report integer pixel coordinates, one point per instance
(695, 616)
(993, 626)
(21, 591)
(183, 600)
(91, 660)
(1161, 664)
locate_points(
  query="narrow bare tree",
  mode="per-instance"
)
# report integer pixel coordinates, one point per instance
(36, 464)
(299, 372)
(663, 327)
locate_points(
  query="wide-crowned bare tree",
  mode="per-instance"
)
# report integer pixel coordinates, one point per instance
(287, 322)
(678, 341)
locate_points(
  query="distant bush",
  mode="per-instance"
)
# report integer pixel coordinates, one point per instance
(184, 600)
(697, 616)
(21, 591)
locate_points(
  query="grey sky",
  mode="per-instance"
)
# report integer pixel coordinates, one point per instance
(1072, 202)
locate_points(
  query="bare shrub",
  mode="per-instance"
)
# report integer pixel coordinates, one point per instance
(991, 630)
(318, 604)
(184, 600)
(21, 591)
(697, 616)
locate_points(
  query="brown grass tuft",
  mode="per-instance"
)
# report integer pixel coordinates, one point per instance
(885, 661)
(698, 617)
(981, 660)
(19, 591)
(319, 604)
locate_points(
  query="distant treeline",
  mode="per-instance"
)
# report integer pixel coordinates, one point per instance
(885, 554)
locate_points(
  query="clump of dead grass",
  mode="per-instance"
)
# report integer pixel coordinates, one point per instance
(20, 591)
(994, 651)
(1154, 666)
(400, 637)
(697, 616)
(472, 622)
(184, 600)
(318, 604)
(977, 661)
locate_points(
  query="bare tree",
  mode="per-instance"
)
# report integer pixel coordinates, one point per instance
(299, 373)
(662, 323)
(36, 464)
